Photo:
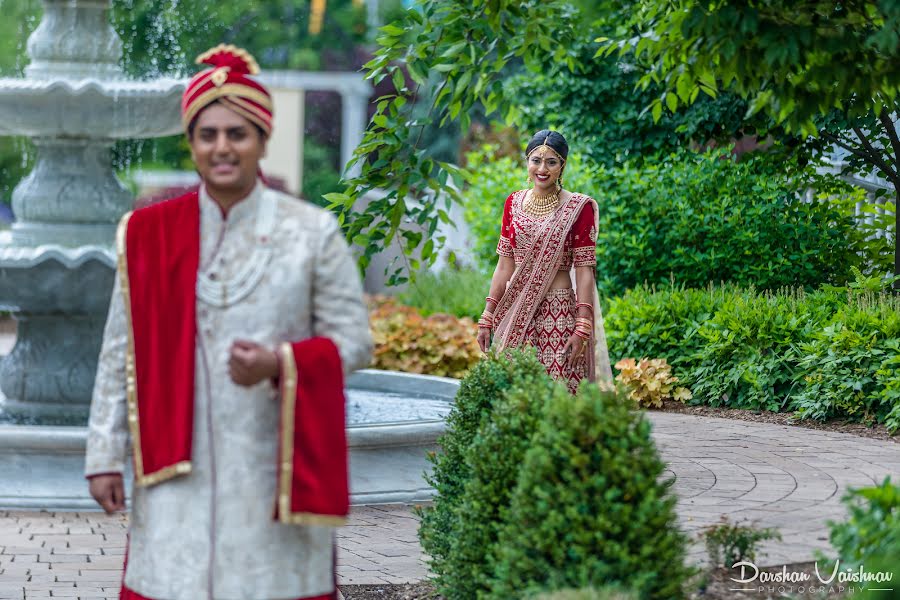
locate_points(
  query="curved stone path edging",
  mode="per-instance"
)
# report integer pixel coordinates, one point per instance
(776, 476)
(788, 478)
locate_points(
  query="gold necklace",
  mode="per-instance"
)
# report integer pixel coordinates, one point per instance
(540, 206)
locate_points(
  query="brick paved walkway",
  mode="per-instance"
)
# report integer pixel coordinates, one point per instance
(784, 477)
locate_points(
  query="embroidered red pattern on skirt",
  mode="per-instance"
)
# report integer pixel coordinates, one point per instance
(552, 326)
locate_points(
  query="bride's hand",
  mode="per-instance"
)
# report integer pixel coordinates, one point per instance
(484, 339)
(573, 349)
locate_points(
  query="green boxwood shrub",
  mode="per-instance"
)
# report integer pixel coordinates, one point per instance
(870, 537)
(588, 506)
(495, 459)
(453, 557)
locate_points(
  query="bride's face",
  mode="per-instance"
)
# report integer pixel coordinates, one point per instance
(544, 168)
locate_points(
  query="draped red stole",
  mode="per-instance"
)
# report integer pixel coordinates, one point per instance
(159, 254)
(158, 261)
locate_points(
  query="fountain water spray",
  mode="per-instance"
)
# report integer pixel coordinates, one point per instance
(57, 262)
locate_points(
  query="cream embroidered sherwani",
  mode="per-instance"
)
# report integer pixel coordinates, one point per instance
(211, 533)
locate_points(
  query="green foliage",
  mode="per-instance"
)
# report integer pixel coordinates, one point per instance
(455, 290)
(588, 506)
(792, 61)
(748, 355)
(850, 368)
(662, 322)
(320, 177)
(450, 530)
(707, 218)
(797, 63)
(728, 543)
(466, 45)
(597, 104)
(604, 593)
(163, 38)
(831, 353)
(16, 154)
(870, 537)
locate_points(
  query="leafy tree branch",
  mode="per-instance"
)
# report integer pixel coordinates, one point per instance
(400, 192)
(817, 68)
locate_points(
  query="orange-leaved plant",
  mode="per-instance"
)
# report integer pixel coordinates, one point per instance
(650, 381)
(435, 345)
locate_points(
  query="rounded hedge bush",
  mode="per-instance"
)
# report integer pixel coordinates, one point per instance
(452, 530)
(589, 507)
(604, 593)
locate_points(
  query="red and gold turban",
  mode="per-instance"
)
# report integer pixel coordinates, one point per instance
(228, 82)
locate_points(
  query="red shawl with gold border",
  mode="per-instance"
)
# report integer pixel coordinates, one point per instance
(158, 258)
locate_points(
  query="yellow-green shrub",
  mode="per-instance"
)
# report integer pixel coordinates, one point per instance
(650, 381)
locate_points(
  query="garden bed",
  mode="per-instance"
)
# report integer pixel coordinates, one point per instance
(718, 587)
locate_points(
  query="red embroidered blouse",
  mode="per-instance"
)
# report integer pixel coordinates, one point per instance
(518, 227)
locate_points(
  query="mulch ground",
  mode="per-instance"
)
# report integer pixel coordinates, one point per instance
(396, 591)
(716, 585)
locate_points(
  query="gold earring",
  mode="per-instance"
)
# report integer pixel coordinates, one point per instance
(559, 182)
(528, 181)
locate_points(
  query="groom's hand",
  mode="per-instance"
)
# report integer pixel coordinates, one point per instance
(249, 363)
(109, 491)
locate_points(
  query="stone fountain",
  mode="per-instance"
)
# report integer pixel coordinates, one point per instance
(57, 262)
(57, 268)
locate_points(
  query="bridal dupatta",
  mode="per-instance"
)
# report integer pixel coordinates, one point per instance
(532, 279)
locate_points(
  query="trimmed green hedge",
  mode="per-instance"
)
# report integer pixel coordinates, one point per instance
(588, 506)
(831, 353)
(456, 561)
(539, 491)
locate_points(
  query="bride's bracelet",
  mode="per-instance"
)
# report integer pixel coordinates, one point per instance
(586, 305)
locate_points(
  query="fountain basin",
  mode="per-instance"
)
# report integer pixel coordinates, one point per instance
(394, 421)
(90, 108)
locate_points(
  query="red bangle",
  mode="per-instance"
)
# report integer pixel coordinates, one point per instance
(580, 304)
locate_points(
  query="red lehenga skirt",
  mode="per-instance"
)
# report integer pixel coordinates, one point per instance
(552, 326)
